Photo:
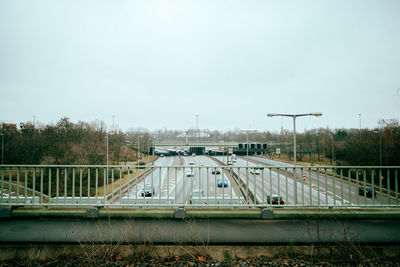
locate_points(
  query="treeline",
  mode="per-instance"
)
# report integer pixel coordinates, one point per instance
(352, 147)
(357, 147)
(85, 143)
(64, 143)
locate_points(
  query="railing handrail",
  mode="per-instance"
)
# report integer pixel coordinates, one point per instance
(318, 188)
(206, 166)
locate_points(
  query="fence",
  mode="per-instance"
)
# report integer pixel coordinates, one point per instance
(198, 186)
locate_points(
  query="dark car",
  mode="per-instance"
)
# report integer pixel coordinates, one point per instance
(369, 192)
(275, 199)
(147, 190)
(216, 171)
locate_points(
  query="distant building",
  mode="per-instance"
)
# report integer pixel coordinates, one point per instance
(8, 125)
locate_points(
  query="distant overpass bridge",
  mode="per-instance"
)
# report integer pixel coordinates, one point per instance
(180, 144)
(199, 148)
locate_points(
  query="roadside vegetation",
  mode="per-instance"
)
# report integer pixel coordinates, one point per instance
(81, 143)
(142, 255)
(68, 143)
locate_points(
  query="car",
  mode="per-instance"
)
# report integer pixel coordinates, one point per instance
(194, 155)
(216, 171)
(161, 155)
(230, 162)
(223, 182)
(275, 200)
(369, 192)
(255, 171)
(189, 173)
(191, 163)
(147, 190)
(184, 153)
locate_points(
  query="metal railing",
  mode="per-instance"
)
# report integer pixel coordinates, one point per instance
(198, 186)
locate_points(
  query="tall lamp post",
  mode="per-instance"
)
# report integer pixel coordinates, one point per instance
(138, 147)
(333, 149)
(148, 146)
(294, 116)
(2, 148)
(107, 164)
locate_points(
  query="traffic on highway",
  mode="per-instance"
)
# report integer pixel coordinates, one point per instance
(251, 181)
(198, 181)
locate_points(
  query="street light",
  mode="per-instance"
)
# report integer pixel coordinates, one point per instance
(106, 165)
(333, 150)
(148, 146)
(294, 116)
(2, 148)
(139, 136)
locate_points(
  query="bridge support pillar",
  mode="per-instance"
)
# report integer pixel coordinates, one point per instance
(180, 213)
(267, 214)
(92, 213)
(5, 212)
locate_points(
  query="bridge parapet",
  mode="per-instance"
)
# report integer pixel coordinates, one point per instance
(180, 186)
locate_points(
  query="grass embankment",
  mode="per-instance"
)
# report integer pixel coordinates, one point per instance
(305, 161)
(134, 172)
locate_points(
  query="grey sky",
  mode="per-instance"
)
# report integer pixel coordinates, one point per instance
(157, 64)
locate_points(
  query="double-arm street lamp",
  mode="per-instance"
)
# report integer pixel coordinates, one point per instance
(294, 116)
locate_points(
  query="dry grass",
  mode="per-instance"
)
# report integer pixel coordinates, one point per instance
(131, 176)
(134, 172)
(305, 161)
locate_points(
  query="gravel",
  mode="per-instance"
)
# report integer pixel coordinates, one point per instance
(202, 261)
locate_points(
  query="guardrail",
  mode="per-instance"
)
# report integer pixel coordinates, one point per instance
(198, 186)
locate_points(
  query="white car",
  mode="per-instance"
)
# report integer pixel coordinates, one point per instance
(255, 171)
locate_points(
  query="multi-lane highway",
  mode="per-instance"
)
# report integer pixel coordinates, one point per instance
(185, 180)
(336, 187)
(190, 180)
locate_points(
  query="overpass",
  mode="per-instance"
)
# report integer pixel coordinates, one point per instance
(201, 148)
(320, 204)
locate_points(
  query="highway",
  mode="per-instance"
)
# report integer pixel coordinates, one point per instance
(269, 183)
(339, 189)
(172, 184)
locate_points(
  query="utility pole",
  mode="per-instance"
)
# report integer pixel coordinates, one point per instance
(107, 164)
(113, 124)
(2, 148)
(197, 127)
(138, 147)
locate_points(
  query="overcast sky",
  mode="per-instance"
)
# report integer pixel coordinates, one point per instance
(157, 64)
